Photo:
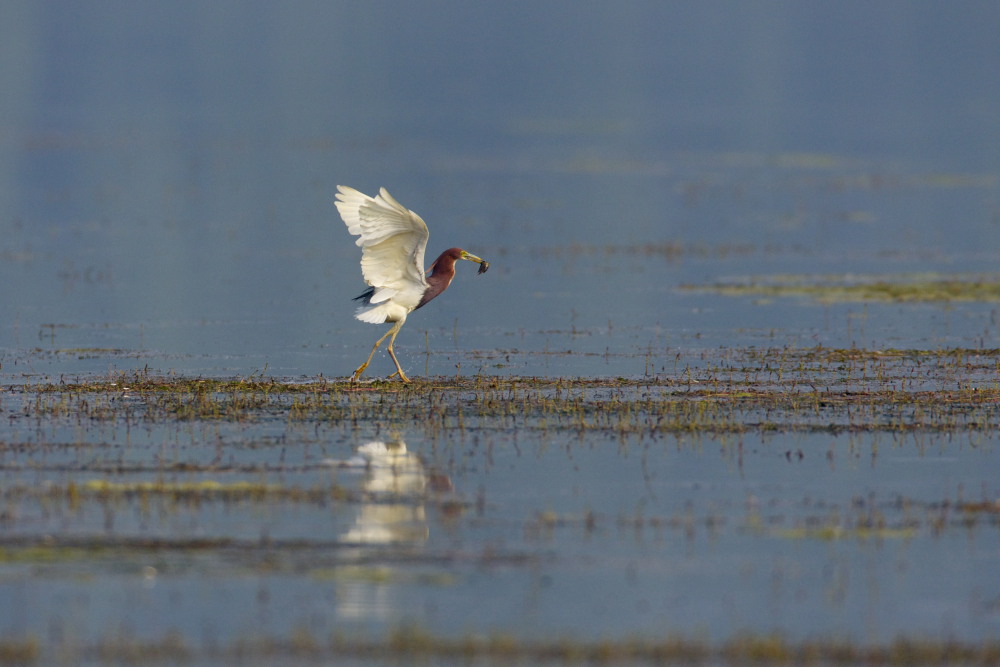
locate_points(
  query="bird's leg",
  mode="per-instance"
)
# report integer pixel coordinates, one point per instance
(361, 369)
(399, 369)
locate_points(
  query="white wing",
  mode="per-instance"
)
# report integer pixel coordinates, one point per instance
(392, 240)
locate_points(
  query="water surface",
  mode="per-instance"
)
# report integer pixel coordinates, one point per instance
(639, 178)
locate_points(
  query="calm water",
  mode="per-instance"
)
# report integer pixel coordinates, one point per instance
(166, 187)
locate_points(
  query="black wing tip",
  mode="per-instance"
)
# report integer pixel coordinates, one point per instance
(365, 296)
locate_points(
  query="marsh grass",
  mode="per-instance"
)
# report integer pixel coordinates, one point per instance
(734, 391)
(413, 644)
(850, 288)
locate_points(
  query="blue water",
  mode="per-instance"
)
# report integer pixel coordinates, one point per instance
(167, 177)
(168, 173)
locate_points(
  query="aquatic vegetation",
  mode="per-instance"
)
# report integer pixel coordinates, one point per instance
(846, 288)
(257, 481)
(414, 644)
(747, 390)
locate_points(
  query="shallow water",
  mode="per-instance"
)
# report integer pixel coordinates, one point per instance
(640, 180)
(142, 513)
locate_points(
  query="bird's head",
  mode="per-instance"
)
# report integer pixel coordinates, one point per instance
(445, 264)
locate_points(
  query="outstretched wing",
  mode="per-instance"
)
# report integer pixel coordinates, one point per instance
(392, 240)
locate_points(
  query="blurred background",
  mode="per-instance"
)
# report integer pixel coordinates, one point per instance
(167, 173)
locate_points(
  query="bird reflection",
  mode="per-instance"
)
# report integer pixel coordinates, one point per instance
(394, 482)
(395, 487)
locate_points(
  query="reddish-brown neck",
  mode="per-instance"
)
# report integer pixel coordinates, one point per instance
(442, 271)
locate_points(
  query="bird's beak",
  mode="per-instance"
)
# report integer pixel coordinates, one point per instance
(483, 264)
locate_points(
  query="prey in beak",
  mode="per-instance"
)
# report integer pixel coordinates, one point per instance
(484, 266)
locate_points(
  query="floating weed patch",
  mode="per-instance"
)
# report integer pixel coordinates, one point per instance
(834, 532)
(19, 651)
(382, 575)
(321, 560)
(413, 644)
(748, 649)
(89, 352)
(181, 492)
(206, 490)
(737, 391)
(44, 554)
(833, 289)
(860, 520)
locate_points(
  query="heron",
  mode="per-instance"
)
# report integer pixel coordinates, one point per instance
(393, 239)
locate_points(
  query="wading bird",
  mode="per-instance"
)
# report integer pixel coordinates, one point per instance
(392, 240)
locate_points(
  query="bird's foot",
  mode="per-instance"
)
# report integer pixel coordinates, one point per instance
(401, 374)
(357, 373)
